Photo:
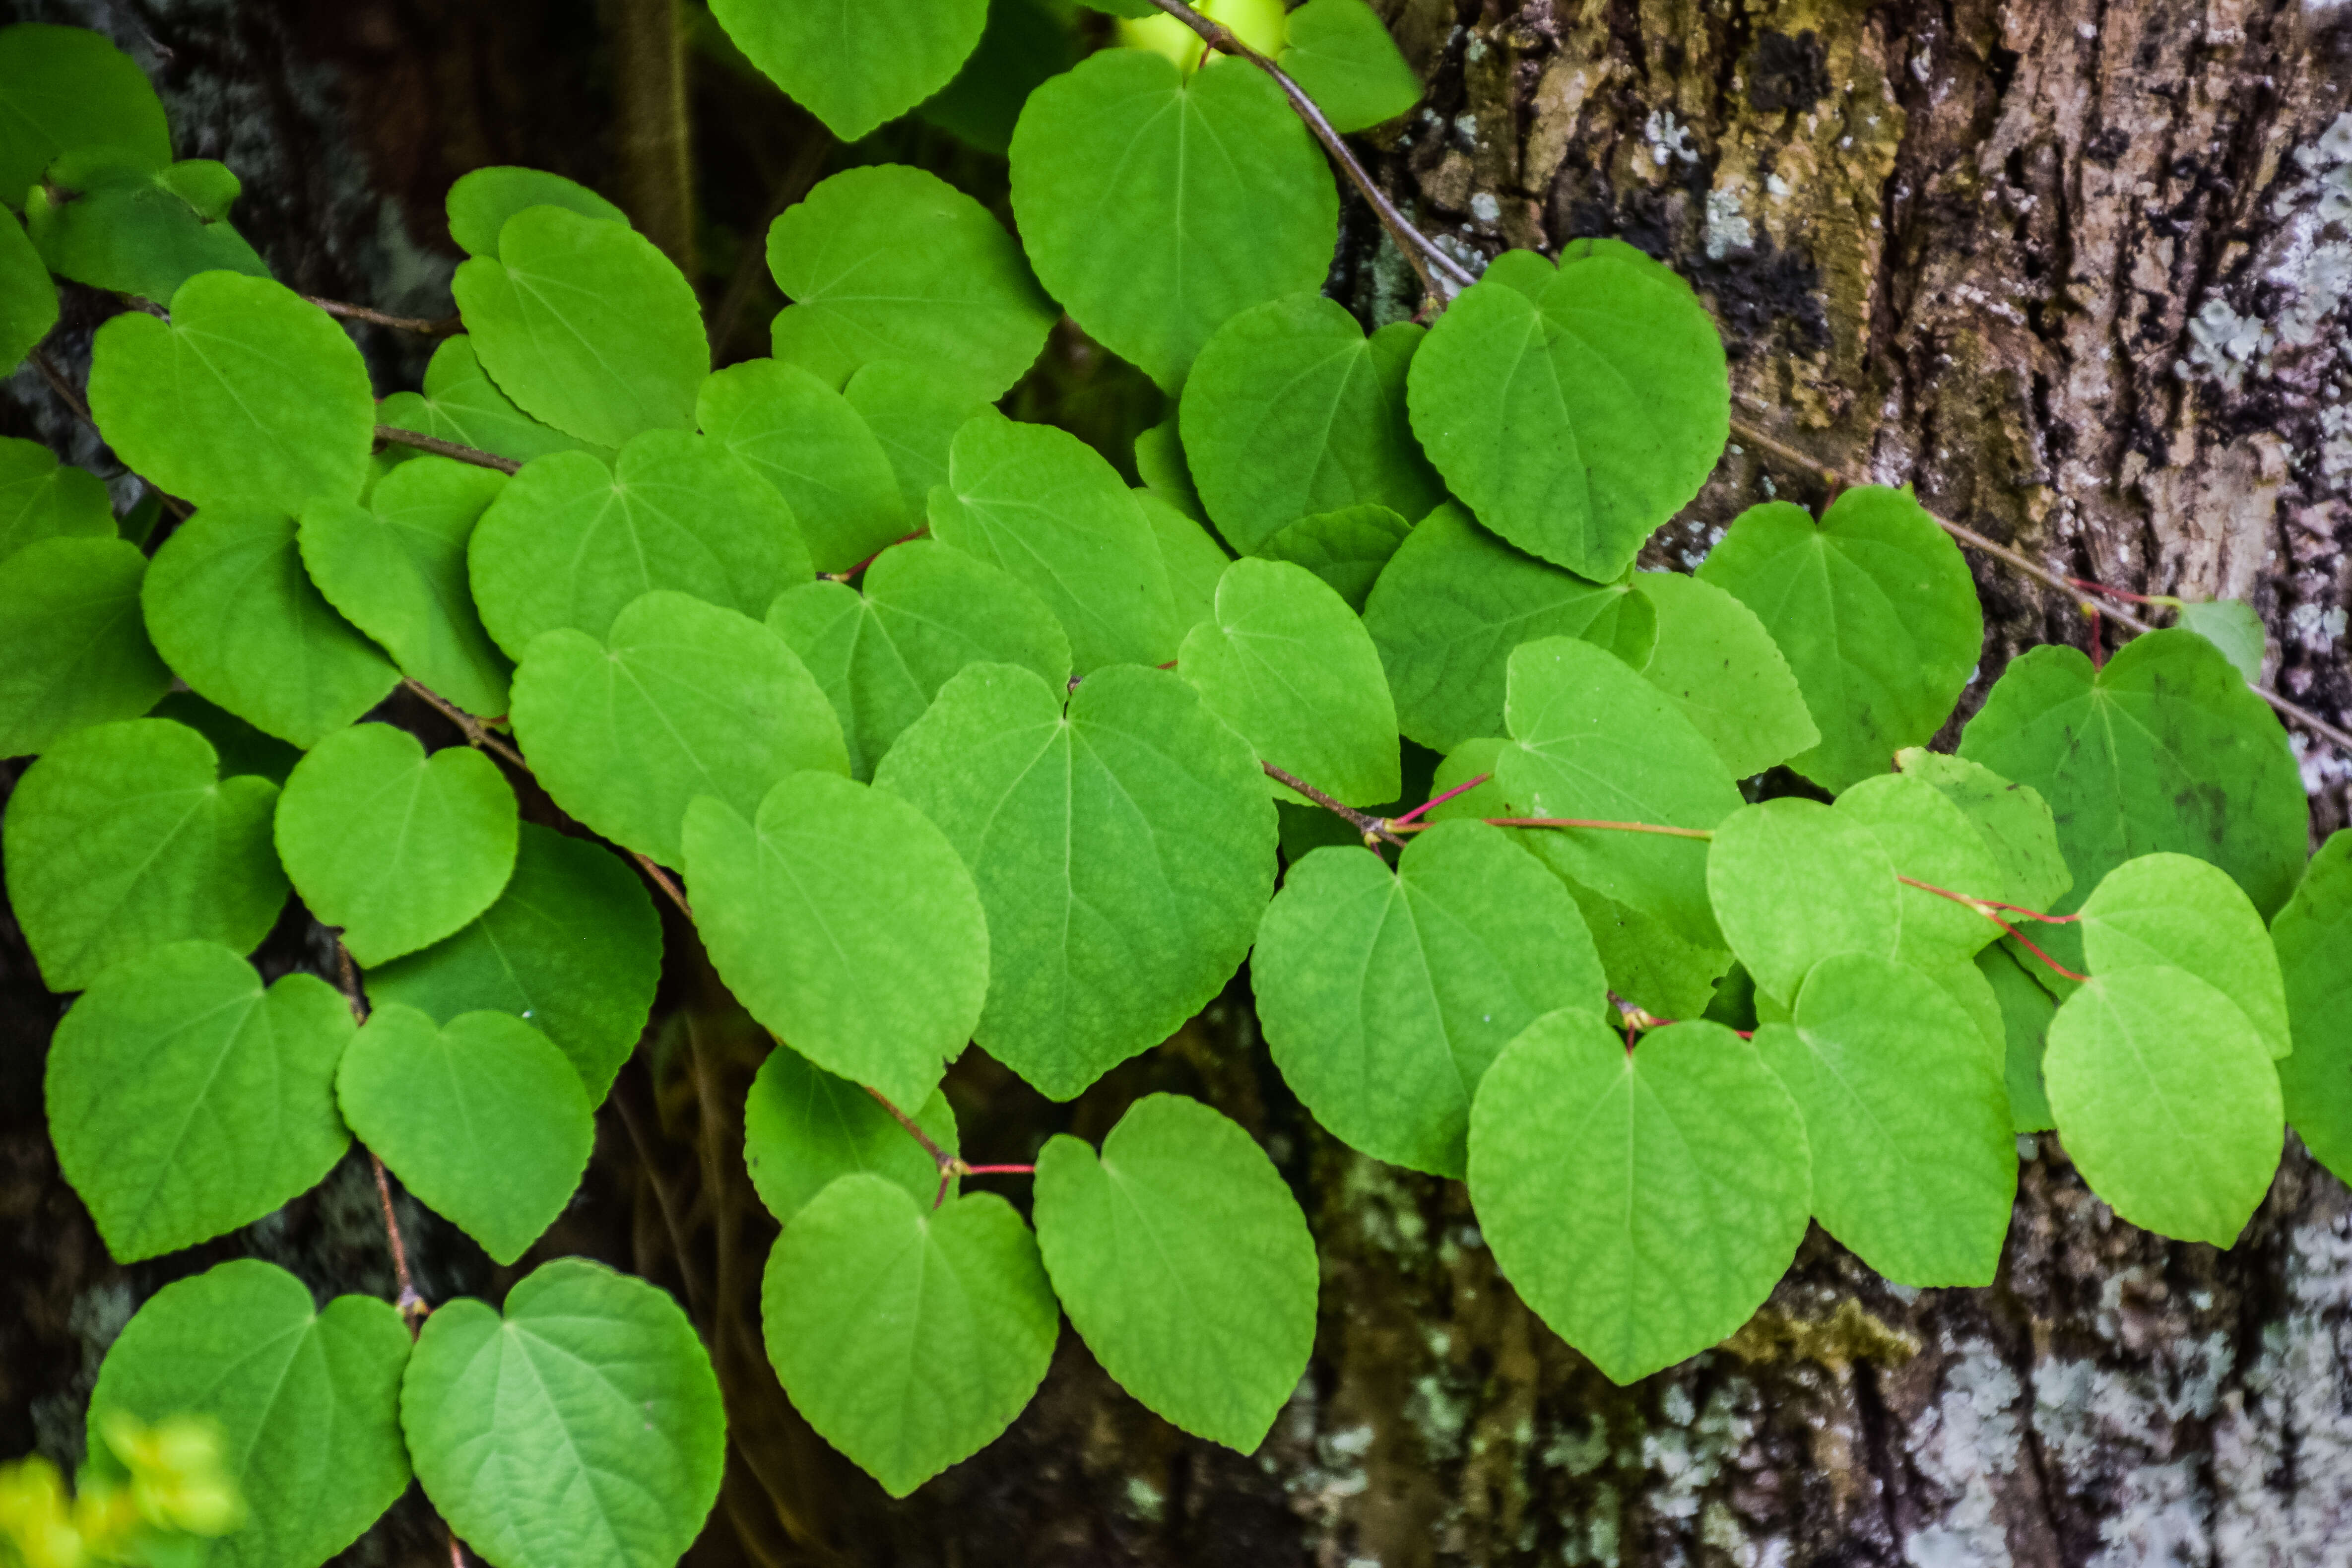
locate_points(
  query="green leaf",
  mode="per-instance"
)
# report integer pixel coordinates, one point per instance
(1794, 881)
(927, 612)
(1195, 562)
(1644, 1202)
(1929, 839)
(1342, 55)
(1576, 421)
(1160, 463)
(855, 66)
(124, 837)
(73, 648)
(397, 849)
(1875, 612)
(1347, 547)
(569, 541)
(242, 748)
(844, 922)
(2313, 937)
(458, 403)
(2175, 912)
(28, 303)
(803, 1126)
(1044, 505)
(2167, 1102)
(41, 498)
(1596, 742)
(396, 568)
(2231, 625)
(1124, 853)
(1385, 995)
(1183, 1261)
(481, 200)
(891, 263)
(186, 1100)
(1721, 667)
(583, 1429)
(1287, 664)
(682, 699)
(2164, 748)
(814, 449)
(909, 1338)
(483, 1119)
(1026, 43)
(1290, 410)
(308, 1404)
(914, 416)
(1157, 205)
(1907, 1113)
(1452, 604)
(68, 87)
(585, 325)
(269, 403)
(573, 947)
(117, 222)
(2012, 819)
(232, 610)
(2026, 1010)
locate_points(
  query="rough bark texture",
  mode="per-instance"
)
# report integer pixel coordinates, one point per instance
(2073, 270)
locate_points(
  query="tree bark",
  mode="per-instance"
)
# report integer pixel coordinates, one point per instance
(2074, 270)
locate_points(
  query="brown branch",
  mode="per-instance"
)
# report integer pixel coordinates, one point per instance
(411, 1305)
(661, 880)
(418, 324)
(438, 448)
(1372, 827)
(479, 735)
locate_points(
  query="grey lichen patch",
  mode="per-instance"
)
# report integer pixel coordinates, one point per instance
(1848, 1336)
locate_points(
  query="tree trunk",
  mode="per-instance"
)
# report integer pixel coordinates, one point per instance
(2074, 270)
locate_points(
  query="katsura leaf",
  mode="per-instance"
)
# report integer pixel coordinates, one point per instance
(186, 1100)
(2314, 938)
(1793, 882)
(1385, 994)
(583, 1429)
(2231, 625)
(117, 222)
(2166, 1100)
(1874, 608)
(124, 837)
(2179, 912)
(307, 1403)
(803, 1127)
(1928, 840)
(1339, 51)
(2026, 1010)
(458, 403)
(1194, 561)
(398, 848)
(1025, 44)
(815, 450)
(1347, 547)
(482, 1119)
(1124, 853)
(481, 200)
(41, 498)
(2012, 819)
(1721, 667)
(73, 646)
(1184, 1262)
(68, 86)
(844, 922)
(242, 748)
(909, 1337)
(1156, 206)
(1683, 1201)
(856, 66)
(28, 304)
(914, 416)
(1160, 463)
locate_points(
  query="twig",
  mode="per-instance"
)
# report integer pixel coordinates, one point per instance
(434, 443)
(457, 1553)
(1411, 817)
(661, 880)
(1371, 826)
(1421, 251)
(441, 328)
(1401, 825)
(411, 1305)
(940, 1156)
(477, 735)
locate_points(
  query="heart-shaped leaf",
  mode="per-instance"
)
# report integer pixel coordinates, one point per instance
(73, 645)
(569, 541)
(583, 1429)
(844, 922)
(2180, 912)
(69, 87)
(1721, 667)
(232, 610)
(1927, 839)
(269, 406)
(2233, 626)
(1340, 52)
(682, 700)
(2314, 938)
(1793, 881)
(585, 325)
(124, 837)
(482, 1119)
(855, 66)
(909, 1337)
(815, 450)
(1157, 205)
(458, 403)
(1184, 1262)
(1680, 1206)
(1124, 852)
(803, 1126)
(1347, 547)
(914, 416)
(891, 263)
(41, 498)
(117, 222)
(481, 200)
(1195, 562)
(307, 1403)
(2013, 821)
(186, 1100)
(398, 848)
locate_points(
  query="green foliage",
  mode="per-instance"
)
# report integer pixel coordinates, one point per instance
(1342, 55)
(1927, 839)
(2232, 626)
(2173, 911)
(580, 1429)
(41, 498)
(28, 299)
(1713, 659)
(1225, 201)
(68, 86)
(73, 648)
(2012, 819)
(803, 1127)
(1184, 1262)
(2026, 1010)
(1347, 547)
(856, 66)
(915, 415)
(1793, 882)
(481, 202)
(307, 1403)
(458, 403)
(2314, 938)
(908, 1338)
(113, 220)
(187, 1101)
(815, 450)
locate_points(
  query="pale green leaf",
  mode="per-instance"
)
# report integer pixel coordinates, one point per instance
(458, 403)
(1794, 881)
(815, 450)
(1347, 547)
(2179, 913)
(1927, 839)
(73, 645)
(914, 416)
(2231, 625)
(2012, 819)
(855, 65)
(803, 1126)
(2313, 937)
(481, 200)
(1195, 562)
(1339, 51)
(1721, 667)
(69, 87)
